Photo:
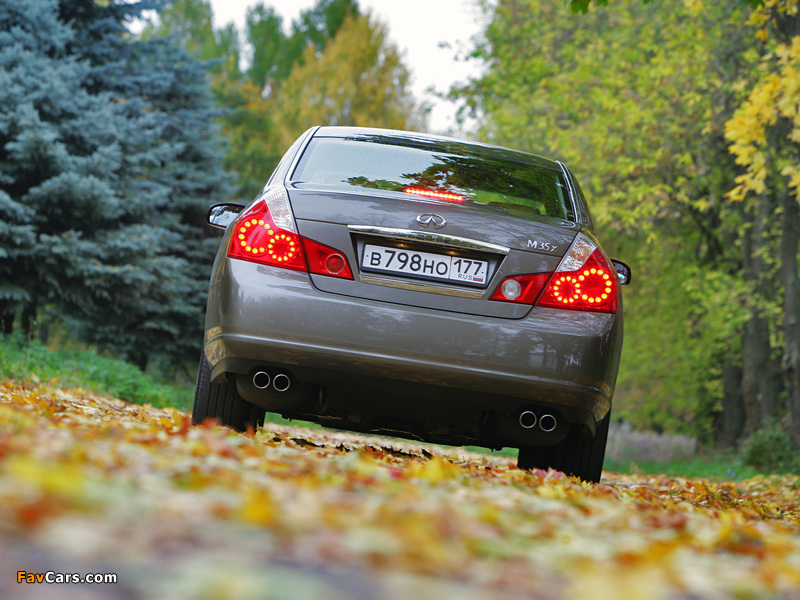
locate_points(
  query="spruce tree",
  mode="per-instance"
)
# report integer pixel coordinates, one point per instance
(119, 247)
(59, 149)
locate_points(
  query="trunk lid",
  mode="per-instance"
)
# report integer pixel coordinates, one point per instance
(428, 253)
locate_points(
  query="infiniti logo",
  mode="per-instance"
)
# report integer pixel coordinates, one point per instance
(428, 218)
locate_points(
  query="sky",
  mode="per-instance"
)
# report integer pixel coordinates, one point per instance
(453, 22)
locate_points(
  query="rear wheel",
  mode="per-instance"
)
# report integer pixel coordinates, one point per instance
(222, 402)
(576, 455)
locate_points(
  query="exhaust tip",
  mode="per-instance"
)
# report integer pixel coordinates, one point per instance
(261, 380)
(281, 382)
(548, 423)
(527, 419)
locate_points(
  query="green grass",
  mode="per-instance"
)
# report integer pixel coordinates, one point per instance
(710, 465)
(717, 467)
(33, 363)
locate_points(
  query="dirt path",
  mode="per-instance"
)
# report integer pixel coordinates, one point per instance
(93, 485)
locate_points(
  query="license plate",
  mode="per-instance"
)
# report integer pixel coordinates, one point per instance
(425, 265)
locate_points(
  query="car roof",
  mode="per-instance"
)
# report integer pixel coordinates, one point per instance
(429, 140)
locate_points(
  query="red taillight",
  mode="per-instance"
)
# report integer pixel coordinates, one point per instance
(522, 289)
(266, 234)
(585, 280)
(591, 287)
(258, 239)
(447, 196)
(324, 260)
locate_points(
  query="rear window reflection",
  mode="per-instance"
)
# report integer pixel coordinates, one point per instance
(504, 185)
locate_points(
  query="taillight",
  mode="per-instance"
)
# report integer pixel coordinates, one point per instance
(585, 280)
(266, 234)
(258, 238)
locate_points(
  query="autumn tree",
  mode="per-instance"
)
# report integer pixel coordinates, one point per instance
(765, 138)
(657, 123)
(249, 93)
(358, 80)
(274, 53)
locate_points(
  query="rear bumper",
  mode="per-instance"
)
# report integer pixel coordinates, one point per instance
(258, 315)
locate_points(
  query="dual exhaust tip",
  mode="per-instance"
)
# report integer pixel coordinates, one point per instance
(280, 382)
(529, 420)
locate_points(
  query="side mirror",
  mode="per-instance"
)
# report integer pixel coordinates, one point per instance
(623, 271)
(222, 215)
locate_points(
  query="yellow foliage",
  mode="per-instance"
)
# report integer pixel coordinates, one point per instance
(358, 80)
(88, 481)
(258, 507)
(695, 6)
(793, 173)
(61, 480)
(772, 107)
(434, 470)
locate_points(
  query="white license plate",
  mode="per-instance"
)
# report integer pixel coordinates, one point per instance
(426, 265)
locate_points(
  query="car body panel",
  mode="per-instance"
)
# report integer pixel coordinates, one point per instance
(268, 315)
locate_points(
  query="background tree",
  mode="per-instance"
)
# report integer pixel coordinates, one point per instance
(583, 5)
(765, 137)
(60, 147)
(109, 147)
(252, 128)
(358, 80)
(270, 59)
(274, 54)
(245, 87)
(190, 25)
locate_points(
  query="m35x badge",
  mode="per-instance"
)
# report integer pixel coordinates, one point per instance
(428, 218)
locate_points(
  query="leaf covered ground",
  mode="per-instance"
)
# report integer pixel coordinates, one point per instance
(90, 485)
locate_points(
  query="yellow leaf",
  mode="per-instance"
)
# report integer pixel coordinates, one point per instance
(434, 470)
(258, 507)
(64, 480)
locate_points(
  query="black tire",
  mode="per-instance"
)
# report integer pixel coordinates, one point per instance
(222, 402)
(577, 455)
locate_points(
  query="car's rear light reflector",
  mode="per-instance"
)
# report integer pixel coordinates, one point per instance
(522, 289)
(324, 260)
(447, 196)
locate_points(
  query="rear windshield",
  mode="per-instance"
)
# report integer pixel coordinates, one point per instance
(444, 173)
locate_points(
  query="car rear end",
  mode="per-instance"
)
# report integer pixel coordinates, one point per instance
(419, 286)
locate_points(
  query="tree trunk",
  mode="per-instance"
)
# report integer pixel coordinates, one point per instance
(140, 359)
(790, 275)
(757, 379)
(758, 383)
(730, 423)
(44, 334)
(29, 318)
(7, 322)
